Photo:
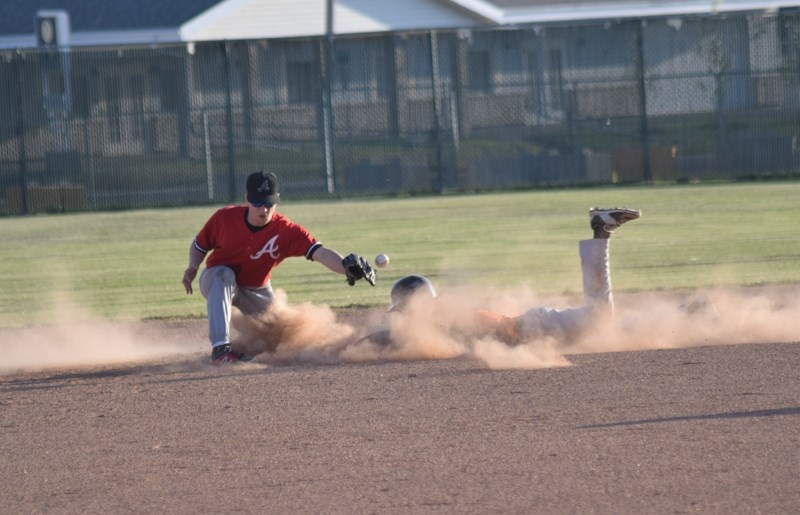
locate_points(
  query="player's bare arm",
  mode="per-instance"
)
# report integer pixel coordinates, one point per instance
(330, 259)
(353, 267)
(195, 260)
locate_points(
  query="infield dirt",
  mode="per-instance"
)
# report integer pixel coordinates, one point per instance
(101, 417)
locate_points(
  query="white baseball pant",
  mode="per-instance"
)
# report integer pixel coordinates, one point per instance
(569, 324)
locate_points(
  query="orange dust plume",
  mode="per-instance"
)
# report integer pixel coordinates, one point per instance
(74, 339)
(445, 328)
(440, 329)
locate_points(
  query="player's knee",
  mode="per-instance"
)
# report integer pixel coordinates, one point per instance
(253, 303)
(223, 276)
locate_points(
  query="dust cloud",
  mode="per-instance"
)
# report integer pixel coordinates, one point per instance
(428, 329)
(446, 328)
(721, 317)
(73, 339)
(304, 332)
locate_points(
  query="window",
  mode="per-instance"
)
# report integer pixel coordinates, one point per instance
(167, 83)
(556, 79)
(480, 71)
(300, 82)
(418, 60)
(359, 71)
(210, 68)
(137, 94)
(55, 82)
(113, 112)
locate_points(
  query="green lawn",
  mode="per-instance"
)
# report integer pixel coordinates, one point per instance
(130, 264)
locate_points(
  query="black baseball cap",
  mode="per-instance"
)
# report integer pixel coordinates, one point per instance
(263, 188)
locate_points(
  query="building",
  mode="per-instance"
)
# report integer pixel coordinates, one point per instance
(403, 86)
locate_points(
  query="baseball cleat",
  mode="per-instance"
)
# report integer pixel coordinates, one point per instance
(606, 221)
(224, 354)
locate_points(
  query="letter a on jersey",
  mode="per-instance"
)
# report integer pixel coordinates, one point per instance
(270, 248)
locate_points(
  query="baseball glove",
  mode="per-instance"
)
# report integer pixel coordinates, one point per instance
(356, 267)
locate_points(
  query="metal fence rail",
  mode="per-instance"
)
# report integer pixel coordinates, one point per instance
(659, 100)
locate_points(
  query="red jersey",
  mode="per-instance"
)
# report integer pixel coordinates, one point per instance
(252, 255)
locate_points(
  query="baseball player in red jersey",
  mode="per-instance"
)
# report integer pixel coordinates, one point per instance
(244, 244)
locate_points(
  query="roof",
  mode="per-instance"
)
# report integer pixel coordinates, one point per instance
(510, 12)
(97, 22)
(16, 16)
(114, 22)
(259, 19)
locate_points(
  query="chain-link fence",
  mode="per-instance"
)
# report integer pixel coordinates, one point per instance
(664, 100)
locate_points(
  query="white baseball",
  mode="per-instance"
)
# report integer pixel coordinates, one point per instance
(381, 260)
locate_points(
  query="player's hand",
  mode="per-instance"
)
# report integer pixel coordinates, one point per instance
(356, 267)
(188, 277)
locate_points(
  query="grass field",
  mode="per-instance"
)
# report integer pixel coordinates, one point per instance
(129, 264)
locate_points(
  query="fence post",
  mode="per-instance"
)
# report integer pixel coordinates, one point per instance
(437, 113)
(327, 116)
(23, 167)
(647, 173)
(87, 151)
(209, 166)
(185, 102)
(232, 183)
(393, 111)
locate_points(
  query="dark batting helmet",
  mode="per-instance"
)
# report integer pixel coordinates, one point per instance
(409, 286)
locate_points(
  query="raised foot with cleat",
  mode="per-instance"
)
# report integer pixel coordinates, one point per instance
(606, 221)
